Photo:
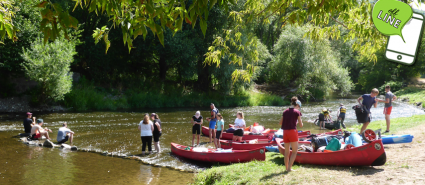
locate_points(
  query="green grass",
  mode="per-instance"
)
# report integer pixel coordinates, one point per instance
(414, 94)
(397, 124)
(85, 97)
(272, 171)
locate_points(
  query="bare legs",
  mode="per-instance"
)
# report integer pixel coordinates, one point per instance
(216, 143)
(387, 119)
(289, 160)
(71, 138)
(193, 139)
(157, 147)
(45, 134)
(322, 123)
(212, 134)
(364, 127)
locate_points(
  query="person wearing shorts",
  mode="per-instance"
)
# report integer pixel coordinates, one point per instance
(197, 121)
(37, 131)
(220, 128)
(368, 100)
(341, 114)
(290, 118)
(212, 121)
(157, 131)
(389, 98)
(240, 126)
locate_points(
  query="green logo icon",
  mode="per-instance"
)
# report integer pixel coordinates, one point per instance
(390, 16)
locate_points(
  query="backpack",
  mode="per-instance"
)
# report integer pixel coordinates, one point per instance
(334, 144)
(361, 113)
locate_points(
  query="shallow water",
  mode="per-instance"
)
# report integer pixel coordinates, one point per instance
(117, 132)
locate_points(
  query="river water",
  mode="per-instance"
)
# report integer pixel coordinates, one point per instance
(117, 132)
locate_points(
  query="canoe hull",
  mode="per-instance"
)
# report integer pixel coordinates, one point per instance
(372, 154)
(233, 157)
(229, 136)
(226, 144)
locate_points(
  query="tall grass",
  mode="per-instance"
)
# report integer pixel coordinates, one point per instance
(85, 96)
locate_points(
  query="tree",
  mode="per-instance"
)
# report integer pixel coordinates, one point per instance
(49, 65)
(311, 67)
(7, 13)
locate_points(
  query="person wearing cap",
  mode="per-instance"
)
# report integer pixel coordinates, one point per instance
(213, 121)
(65, 134)
(28, 123)
(290, 118)
(37, 131)
(341, 114)
(197, 121)
(157, 131)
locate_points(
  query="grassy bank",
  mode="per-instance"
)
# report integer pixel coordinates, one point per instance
(414, 94)
(272, 171)
(88, 97)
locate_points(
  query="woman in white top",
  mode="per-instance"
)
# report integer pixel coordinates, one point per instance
(146, 129)
(239, 126)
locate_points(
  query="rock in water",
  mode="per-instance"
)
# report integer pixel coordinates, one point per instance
(74, 148)
(65, 146)
(48, 144)
(419, 104)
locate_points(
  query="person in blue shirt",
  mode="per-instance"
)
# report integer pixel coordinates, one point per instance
(368, 101)
(212, 120)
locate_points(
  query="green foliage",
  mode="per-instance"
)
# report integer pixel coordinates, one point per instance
(7, 27)
(414, 94)
(395, 86)
(85, 96)
(312, 67)
(49, 65)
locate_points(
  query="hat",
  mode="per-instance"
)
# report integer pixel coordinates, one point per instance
(341, 104)
(153, 114)
(212, 104)
(39, 120)
(324, 110)
(29, 113)
(299, 103)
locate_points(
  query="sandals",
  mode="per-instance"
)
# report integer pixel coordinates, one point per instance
(387, 131)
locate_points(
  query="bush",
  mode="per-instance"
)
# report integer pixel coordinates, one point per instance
(395, 86)
(49, 65)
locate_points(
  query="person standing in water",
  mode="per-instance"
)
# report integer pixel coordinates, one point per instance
(290, 118)
(240, 126)
(341, 114)
(65, 134)
(389, 98)
(220, 128)
(197, 121)
(157, 131)
(212, 120)
(368, 101)
(146, 129)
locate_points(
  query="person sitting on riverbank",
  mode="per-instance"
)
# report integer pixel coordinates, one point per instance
(290, 118)
(65, 134)
(37, 131)
(157, 131)
(212, 121)
(220, 128)
(341, 114)
(197, 121)
(28, 123)
(239, 127)
(146, 129)
(389, 98)
(368, 101)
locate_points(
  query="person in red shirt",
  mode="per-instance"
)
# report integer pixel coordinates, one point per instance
(290, 118)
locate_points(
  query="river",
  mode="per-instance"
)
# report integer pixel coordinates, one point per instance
(117, 132)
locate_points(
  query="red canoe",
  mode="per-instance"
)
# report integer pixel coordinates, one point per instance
(211, 156)
(226, 144)
(371, 154)
(229, 136)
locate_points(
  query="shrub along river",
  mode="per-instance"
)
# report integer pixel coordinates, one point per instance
(117, 132)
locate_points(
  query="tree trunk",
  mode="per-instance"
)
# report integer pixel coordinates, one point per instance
(203, 83)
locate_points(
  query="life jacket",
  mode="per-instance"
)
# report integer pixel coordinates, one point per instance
(342, 110)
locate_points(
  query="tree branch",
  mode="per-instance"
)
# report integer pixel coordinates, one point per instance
(339, 22)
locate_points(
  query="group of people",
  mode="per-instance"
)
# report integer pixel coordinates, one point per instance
(33, 128)
(149, 130)
(216, 126)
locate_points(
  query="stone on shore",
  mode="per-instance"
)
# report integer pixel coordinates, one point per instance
(48, 144)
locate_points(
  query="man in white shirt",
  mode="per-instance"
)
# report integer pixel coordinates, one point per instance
(65, 134)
